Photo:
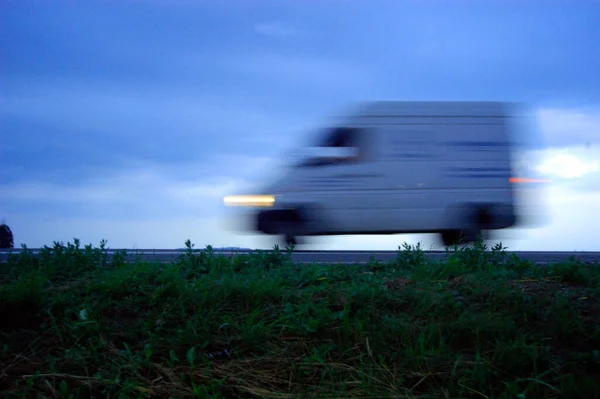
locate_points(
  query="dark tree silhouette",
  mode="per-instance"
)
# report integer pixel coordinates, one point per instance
(6, 237)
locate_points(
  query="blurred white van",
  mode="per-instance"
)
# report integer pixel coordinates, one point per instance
(395, 167)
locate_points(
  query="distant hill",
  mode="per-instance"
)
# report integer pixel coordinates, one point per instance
(221, 249)
(232, 249)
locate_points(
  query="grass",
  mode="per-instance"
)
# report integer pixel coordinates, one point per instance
(75, 323)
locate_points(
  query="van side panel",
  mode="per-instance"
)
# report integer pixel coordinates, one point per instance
(427, 168)
(428, 163)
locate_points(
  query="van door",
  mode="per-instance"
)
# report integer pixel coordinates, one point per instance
(342, 177)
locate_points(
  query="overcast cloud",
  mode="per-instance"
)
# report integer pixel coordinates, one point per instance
(129, 121)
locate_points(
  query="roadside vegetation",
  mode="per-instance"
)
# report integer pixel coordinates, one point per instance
(76, 323)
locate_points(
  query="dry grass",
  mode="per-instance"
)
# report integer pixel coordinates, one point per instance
(74, 323)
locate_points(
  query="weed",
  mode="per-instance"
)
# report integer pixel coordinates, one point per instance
(76, 322)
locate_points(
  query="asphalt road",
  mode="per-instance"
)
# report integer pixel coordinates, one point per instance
(346, 257)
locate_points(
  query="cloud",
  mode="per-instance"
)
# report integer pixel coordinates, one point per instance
(137, 193)
(562, 145)
(311, 73)
(115, 110)
(46, 192)
(569, 163)
(570, 127)
(571, 223)
(76, 131)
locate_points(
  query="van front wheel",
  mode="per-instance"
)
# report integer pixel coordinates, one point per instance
(450, 237)
(458, 237)
(290, 240)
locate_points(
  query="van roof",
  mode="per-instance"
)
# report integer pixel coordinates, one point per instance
(380, 109)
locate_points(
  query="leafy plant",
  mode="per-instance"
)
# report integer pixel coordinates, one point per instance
(76, 322)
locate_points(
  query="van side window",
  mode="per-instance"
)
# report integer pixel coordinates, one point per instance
(341, 137)
(340, 145)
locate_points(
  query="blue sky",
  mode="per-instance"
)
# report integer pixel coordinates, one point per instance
(130, 120)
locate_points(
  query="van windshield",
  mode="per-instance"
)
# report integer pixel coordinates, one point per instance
(336, 145)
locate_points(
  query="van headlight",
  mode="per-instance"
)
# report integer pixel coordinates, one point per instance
(249, 200)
